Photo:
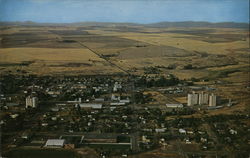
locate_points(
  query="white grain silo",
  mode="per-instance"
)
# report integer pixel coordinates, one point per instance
(193, 99)
(212, 100)
(203, 98)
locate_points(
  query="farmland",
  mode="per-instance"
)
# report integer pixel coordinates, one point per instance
(89, 50)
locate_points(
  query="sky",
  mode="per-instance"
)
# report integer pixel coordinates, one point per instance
(134, 11)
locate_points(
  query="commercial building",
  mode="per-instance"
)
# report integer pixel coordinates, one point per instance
(174, 105)
(31, 102)
(55, 143)
(91, 105)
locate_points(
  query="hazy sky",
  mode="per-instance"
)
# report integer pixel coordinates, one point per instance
(138, 11)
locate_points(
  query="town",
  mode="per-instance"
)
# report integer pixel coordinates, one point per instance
(119, 115)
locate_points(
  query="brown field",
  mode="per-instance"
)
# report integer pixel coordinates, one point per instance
(48, 61)
(133, 47)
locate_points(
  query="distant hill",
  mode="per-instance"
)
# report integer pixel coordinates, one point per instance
(200, 24)
(155, 25)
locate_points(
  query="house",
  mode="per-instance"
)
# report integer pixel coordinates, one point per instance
(14, 116)
(99, 99)
(160, 130)
(232, 131)
(26, 135)
(55, 143)
(115, 97)
(145, 140)
(125, 100)
(182, 131)
(117, 86)
(55, 109)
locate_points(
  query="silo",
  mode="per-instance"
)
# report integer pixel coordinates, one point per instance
(212, 100)
(193, 99)
(190, 96)
(201, 96)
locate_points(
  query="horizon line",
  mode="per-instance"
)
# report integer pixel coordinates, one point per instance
(29, 21)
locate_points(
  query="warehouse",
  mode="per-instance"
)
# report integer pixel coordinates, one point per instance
(174, 105)
(55, 143)
(91, 105)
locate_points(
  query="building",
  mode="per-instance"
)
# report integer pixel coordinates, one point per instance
(127, 100)
(115, 97)
(212, 100)
(117, 103)
(199, 99)
(160, 130)
(100, 138)
(230, 102)
(99, 99)
(31, 102)
(182, 131)
(117, 86)
(91, 105)
(75, 101)
(203, 98)
(145, 140)
(55, 143)
(174, 105)
(193, 99)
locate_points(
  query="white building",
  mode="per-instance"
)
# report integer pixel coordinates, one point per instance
(91, 105)
(192, 99)
(160, 130)
(145, 140)
(203, 98)
(117, 103)
(75, 101)
(174, 105)
(212, 100)
(117, 86)
(125, 100)
(31, 102)
(99, 99)
(115, 97)
(182, 131)
(55, 143)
